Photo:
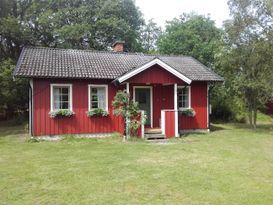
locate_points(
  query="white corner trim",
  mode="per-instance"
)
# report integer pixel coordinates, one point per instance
(128, 88)
(142, 125)
(163, 122)
(151, 99)
(175, 111)
(189, 93)
(175, 96)
(70, 94)
(151, 63)
(98, 86)
(208, 106)
(30, 125)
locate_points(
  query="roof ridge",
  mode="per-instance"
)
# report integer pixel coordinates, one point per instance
(108, 52)
(86, 50)
(166, 55)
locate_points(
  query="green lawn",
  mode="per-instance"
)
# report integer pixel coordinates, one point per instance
(230, 165)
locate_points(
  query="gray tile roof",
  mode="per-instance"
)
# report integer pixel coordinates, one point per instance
(37, 62)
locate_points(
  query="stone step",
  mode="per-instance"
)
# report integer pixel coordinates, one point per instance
(154, 136)
(153, 131)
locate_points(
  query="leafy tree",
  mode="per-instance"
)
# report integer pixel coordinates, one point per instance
(85, 24)
(249, 48)
(13, 94)
(93, 24)
(149, 35)
(191, 34)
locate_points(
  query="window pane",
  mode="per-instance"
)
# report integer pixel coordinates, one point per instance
(101, 104)
(94, 97)
(56, 91)
(61, 98)
(94, 105)
(64, 97)
(56, 105)
(64, 105)
(101, 91)
(183, 97)
(64, 90)
(98, 97)
(57, 98)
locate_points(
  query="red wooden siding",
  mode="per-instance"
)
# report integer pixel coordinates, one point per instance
(78, 124)
(199, 104)
(155, 75)
(170, 123)
(163, 98)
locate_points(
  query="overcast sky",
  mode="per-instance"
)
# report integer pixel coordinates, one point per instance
(163, 10)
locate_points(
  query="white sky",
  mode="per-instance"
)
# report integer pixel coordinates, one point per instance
(163, 10)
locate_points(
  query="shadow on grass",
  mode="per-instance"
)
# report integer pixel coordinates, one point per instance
(215, 127)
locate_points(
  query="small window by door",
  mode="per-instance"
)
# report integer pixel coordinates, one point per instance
(183, 97)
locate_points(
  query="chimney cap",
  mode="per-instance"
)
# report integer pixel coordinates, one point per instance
(118, 42)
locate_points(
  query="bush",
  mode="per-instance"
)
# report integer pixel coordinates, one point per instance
(226, 107)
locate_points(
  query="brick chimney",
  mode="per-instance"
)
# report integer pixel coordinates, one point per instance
(118, 46)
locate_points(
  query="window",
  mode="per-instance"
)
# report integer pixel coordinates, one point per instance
(61, 97)
(98, 97)
(183, 97)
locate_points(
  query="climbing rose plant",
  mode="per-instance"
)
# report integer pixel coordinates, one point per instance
(127, 108)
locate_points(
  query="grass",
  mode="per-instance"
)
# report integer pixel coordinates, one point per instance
(230, 165)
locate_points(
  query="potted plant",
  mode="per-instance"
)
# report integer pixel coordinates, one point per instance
(61, 113)
(189, 112)
(97, 112)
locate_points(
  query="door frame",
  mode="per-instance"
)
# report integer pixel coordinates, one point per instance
(151, 99)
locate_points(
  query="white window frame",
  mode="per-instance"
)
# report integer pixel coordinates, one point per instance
(179, 87)
(89, 95)
(52, 97)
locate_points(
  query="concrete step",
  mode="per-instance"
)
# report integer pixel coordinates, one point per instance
(154, 136)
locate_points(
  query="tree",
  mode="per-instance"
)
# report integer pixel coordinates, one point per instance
(13, 94)
(191, 34)
(79, 24)
(92, 24)
(150, 34)
(249, 48)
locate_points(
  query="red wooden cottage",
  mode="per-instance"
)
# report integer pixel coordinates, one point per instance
(83, 80)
